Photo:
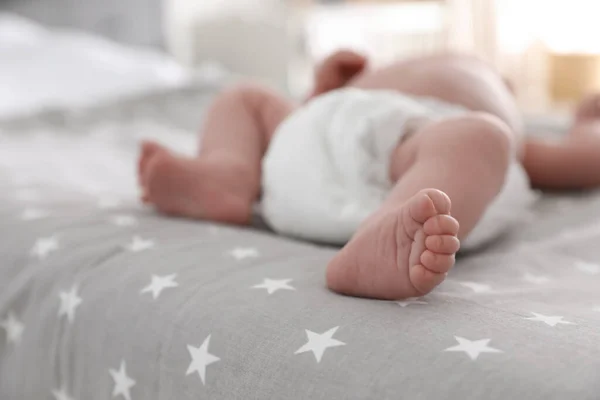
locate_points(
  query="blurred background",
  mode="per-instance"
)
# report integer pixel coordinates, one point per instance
(548, 49)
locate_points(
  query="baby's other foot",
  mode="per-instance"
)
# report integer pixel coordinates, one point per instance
(401, 252)
(196, 188)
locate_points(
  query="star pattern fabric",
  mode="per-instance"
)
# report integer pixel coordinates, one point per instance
(160, 283)
(122, 382)
(273, 285)
(69, 301)
(201, 359)
(319, 342)
(549, 320)
(13, 328)
(473, 348)
(44, 246)
(241, 253)
(138, 244)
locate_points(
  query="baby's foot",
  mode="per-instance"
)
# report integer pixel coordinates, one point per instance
(403, 252)
(192, 187)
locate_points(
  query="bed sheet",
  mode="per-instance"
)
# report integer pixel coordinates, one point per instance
(101, 298)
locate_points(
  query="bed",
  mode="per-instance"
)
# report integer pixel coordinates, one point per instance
(102, 298)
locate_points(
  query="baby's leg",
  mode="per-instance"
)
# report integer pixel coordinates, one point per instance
(223, 182)
(407, 246)
(572, 162)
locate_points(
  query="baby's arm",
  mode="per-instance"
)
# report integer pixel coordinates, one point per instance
(336, 71)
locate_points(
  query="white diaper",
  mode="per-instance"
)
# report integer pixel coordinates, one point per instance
(327, 167)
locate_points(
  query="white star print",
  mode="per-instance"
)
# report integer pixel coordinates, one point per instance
(473, 348)
(44, 246)
(273, 285)
(124, 220)
(201, 359)
(138, 244)
(31, 214)
(69, 301)
(13, 327)
(535, 279)
(123, 383)
(240, 253)
(551, 321)
(477, 287)
(61, 394)
(408, 302)
(588, 268)
(159, 283)
(108, 203)
(318, 343)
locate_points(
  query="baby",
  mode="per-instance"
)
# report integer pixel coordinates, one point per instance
(432, 140)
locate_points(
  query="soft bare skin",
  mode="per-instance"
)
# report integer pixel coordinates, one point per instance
(446, 174)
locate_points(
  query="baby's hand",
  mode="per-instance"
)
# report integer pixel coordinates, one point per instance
(337, 70)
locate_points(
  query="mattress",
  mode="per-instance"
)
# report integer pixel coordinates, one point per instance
(103, 298)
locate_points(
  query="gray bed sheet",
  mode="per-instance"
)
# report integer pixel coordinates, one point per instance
(101, 298)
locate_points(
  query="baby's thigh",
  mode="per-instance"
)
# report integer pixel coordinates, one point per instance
(457, 139)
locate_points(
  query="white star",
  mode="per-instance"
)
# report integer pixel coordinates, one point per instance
(123, 383)
(240, 253)
(159, 283)
(124, 220)
(31, 214)
(551, 321)
(201, 359)
(588, 268)
(44, 246)
(477, 287)
(69, 301)
(473, 348)
(108, 203)
(13, 327)
(597, 309)
(273, 285)
(61, 394)
(536, 279)
(408, 302)
(318, 343)
(138, 244)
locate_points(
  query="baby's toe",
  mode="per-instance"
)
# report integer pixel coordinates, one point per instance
(427, 204)
(442, 244)
(441, 225)
(435, 262)
(424, 280)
